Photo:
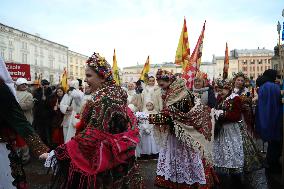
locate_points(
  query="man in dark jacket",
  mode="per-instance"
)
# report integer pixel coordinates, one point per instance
(43, 112)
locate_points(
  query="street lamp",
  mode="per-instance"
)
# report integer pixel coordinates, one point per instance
(279, 30)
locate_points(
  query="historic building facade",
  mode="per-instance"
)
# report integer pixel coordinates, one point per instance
(76, 65)
(252, 62)
(47, 59)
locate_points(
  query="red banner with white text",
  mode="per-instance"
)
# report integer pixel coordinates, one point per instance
(19, 70)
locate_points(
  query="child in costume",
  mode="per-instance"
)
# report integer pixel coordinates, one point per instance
(147, 145)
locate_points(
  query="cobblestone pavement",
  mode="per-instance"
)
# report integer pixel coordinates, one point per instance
(39, 179)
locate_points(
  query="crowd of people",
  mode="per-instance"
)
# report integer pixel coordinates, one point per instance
(203, 137)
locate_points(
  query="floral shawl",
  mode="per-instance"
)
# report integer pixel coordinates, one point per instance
(193, 127)
(107, 135)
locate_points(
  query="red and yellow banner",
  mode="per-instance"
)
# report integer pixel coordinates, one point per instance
(183, 50)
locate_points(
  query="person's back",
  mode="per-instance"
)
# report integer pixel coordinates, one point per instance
(269, 122)
(268, 116)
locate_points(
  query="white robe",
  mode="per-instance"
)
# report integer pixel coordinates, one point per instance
(147, 144)
(75, 99)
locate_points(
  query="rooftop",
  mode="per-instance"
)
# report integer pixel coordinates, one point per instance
(252, 52)
(36, 36)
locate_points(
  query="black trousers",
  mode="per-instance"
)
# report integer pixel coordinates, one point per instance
(274, 151)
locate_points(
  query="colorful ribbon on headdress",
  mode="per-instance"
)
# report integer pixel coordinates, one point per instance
(101, 67)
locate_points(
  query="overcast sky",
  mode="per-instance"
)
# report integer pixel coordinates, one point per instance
(138, 28)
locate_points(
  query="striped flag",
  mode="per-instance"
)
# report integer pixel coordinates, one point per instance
(226, 63)
(183, 50)
(195, 60)
(63, 82)
(146, 69)
(115, 70)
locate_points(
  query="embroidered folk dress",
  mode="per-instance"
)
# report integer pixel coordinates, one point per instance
(185, 147)
(233, 150)
(247, 109)
(102, 154)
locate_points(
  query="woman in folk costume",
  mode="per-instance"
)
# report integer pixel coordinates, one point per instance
(102, 154)
(13, 122)
(152, 92)
(70, 106)
(57, 137)
(234, 153)
(240, 89)
(184, 135)
(205, 93)
(147, 145)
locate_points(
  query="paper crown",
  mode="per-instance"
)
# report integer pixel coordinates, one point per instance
(200, 75)
(101, 67)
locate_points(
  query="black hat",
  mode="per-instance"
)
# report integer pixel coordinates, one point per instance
(80, 82)
(44, 82)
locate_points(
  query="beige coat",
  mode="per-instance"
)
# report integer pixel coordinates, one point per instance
(27, 103)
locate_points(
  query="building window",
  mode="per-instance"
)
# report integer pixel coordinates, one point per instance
(24, 58)
(10, 43)
(41, 51)
(10, 55)
(257, 68)
(253, 69)
(41, 62)
(36, 61)
(259, 61)
(24, 45)
(252, 62)
(245, 62)
(261, 68)
(245, 69)
(250, 68)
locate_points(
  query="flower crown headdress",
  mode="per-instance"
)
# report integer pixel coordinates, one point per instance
(225, 84)
(101, 67)
(165, 75)
(240, 74)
